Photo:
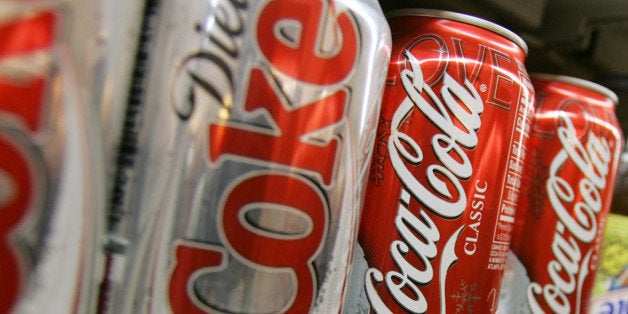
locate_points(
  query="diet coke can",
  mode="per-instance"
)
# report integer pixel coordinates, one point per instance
(447, 166)
(256, 136)
(50, 183)
(569, 180)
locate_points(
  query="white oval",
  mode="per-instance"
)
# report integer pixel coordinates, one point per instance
(276, 221)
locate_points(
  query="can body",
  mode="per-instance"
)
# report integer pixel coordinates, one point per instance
(256, 137)
(446, 169)
(49, 183)
(569, 182)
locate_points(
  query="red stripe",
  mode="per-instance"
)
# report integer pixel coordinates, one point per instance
(26, 35)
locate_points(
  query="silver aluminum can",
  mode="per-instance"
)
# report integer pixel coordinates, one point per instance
(50, 179)
(256, 133)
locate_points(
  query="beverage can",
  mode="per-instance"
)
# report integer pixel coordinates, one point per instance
(256, 135)
(50, 182)
(569, 181)
(447, 166)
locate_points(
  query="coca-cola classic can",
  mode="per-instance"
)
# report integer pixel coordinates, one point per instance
(447, 166)
(569, 180)
(50, 180)
(257, 132)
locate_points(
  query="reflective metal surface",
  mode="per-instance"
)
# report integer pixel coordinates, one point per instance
(256, 133)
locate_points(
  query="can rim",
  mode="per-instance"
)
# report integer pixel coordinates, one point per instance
(464, 18)
(578, 82)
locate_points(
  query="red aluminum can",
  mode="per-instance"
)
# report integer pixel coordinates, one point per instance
(251, 157)
(445, 176)
(569, 180)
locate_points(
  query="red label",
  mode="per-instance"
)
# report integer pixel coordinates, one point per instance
(21, 100)
(303, 162)
(436, 223)
(23, 94)
(191, 257)
(272, 250)
(304, 58)
(17, 182)
(288, 136)
(570, 175)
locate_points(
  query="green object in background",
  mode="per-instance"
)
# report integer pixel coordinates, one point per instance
(612, 273)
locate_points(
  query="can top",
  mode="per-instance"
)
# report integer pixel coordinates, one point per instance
(578, 82)
(464, 18)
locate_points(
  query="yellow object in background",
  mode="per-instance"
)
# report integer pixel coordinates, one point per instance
(611, 283)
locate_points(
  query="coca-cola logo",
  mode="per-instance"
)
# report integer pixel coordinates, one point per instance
(211, 70)
(577, 209)
(301, 161)
(24, 64)
(16, 179)
(456, 113)
(21, 182)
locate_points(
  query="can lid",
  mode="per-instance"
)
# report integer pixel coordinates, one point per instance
(578, 82)
(464, 18)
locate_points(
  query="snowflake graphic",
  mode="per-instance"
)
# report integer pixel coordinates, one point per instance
(466, 297)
